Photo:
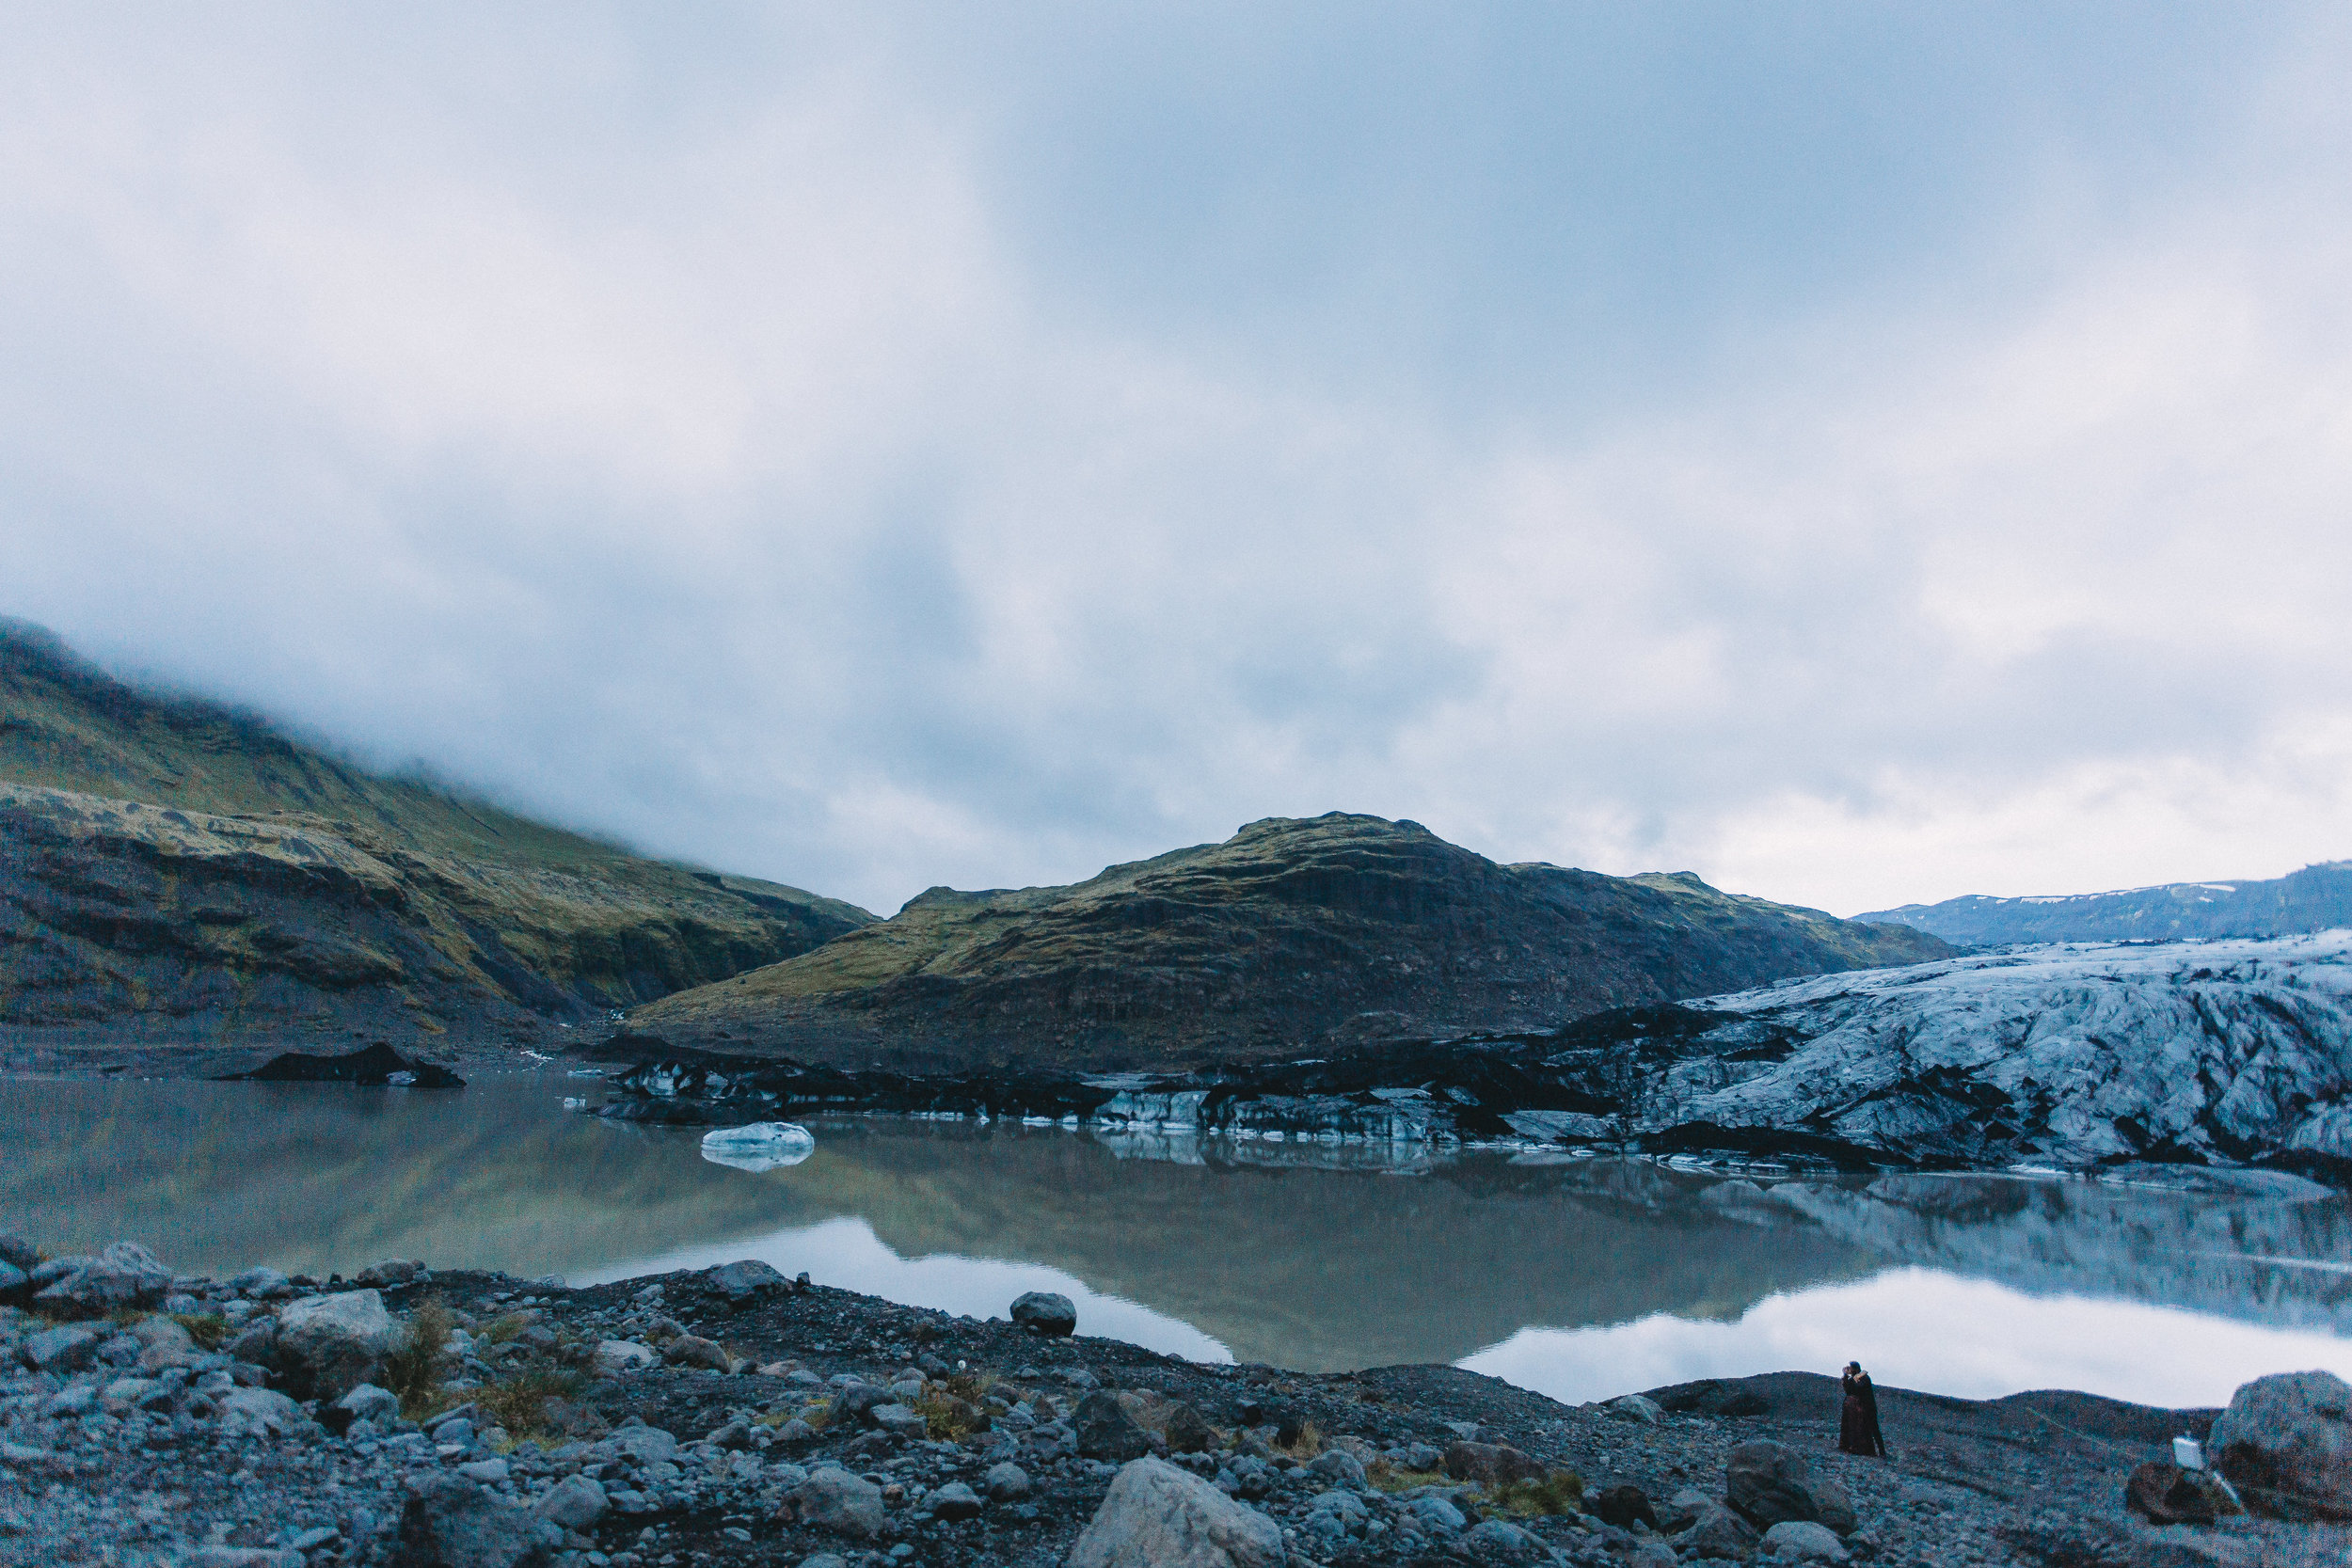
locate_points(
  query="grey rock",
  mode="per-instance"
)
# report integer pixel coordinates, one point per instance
(1832, 1506)
(1346, 1505)
(485, 1472)
(1186, 1428)
(692, 1351)
(1716, 1531)
(59, 1350)
(1420, 1458)
(1802, 1541)
(748, 1279)
(163, 1344)
(1488, 1463)
(16, 1286)
(1045, 1312)
(255, 1343)
(1106, 1431)
(2285, 1443)
(75, 1399)
(242, 1557)
(367, 1402)
(895, 1419)
(1437, 1513)
(644, 1444)
(18, 1253)
(1500, 1541)
(1767, 1482)
(124, 1277)
(1649, 1554)
(834, 1499)
(451, 1522)
(329, 1345)
(1339, 1467)
(1006, 1484)
(259, 1410)
(262, 1284)
(1158, 1517)
(1622, 1506)
(575, 1502)
(391, 1272)
(622, 1355)
(955, 1500)
(824, 1559)
(1636, 1407)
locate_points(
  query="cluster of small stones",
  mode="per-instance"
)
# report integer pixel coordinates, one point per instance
(734, 1417)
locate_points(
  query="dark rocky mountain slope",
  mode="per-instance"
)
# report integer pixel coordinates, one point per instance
(1291, 935)
(174, 871)
(2316, 898)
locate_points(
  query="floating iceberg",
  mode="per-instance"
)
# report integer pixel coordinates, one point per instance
(760, 1146)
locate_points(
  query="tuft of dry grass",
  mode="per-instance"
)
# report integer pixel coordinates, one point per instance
(1561, 1492)
(419, 1364)
(1387, 1477)
(502, 1330)
(1304, 1446)
(520, 1404)
(949, 1417)
(208, 1329)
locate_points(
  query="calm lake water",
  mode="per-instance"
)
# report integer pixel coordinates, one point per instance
(1581, 1279)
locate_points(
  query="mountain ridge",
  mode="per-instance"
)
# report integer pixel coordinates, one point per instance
(180, 871)
(1295, 933)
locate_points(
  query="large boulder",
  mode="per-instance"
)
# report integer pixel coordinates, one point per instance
(2285, 1444)
(1716, 1531)
(1045, 1312)
(746, 1281)
(59, 1350)
(1107, 1432)
(624, 1355)
(1159, 1516)
(575, 1503)
(1767, 1482)
(1187, 1429)
(329, 1345)
(451, 1523)
(163, 1344)
(392, 1272)
(834, 1499)
(124, 1278)
(693, 1352)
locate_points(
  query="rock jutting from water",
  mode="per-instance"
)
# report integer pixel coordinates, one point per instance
(502, 1423)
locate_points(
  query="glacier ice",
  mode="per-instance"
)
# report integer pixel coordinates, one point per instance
(758, 1145)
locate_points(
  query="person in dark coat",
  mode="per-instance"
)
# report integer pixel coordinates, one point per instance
(1858, 1422)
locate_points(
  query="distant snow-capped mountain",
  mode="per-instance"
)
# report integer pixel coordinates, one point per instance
(2316, 898)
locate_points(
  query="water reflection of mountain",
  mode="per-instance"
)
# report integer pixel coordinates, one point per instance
(1299, 1267)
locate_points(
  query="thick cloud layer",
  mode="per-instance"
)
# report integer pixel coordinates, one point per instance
(1858, 455)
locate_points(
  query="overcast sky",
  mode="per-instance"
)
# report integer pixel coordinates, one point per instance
(1862, 453)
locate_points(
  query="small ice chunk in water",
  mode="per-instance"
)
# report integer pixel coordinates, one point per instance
(760, 1146)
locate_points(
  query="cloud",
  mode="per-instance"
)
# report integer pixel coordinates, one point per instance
(873, 454)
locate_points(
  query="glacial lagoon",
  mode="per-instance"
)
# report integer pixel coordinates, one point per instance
(1581, 1278)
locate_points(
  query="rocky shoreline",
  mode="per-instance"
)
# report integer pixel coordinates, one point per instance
(733, 1417)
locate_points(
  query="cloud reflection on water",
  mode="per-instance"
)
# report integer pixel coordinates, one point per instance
(1922, 1328)
(846, 1254)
